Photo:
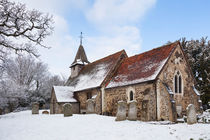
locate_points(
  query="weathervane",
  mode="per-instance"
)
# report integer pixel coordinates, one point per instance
(81, 38)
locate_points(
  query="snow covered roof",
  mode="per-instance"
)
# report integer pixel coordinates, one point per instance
(64, 94)
(196, 91)
(143, 67)
(93, 74)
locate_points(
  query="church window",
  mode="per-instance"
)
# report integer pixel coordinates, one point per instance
(131, 95)
(175, 83)
(89, 96)
(178, 83)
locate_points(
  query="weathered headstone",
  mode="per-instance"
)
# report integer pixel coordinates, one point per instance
(121, 111)
(45, 112)
(90, 106)
(6, 110)
(1, 111)
(67, 110)
(132, 111)
(191, 114)
(35, 108)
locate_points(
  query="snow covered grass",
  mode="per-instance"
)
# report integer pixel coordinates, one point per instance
(25, 126)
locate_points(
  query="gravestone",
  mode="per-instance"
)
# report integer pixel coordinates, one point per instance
(45, 112)
(35, 108)
(191, 114)
(6, 110)
(67, 110)
(90, 106)
(132, 111)
(1, 111)
(121, 111)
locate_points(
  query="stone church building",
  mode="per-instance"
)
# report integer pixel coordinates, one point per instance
(159, 80)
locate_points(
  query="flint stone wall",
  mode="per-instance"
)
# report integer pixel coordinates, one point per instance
(176, 63)
(144, 96)
(82, 98)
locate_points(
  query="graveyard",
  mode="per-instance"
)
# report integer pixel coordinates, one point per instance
(23, 125)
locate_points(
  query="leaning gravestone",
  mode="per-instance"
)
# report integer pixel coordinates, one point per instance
(90, 106)
(132, 111)
(191, 114)
(35, 108)
(121, 111)
(67, 110)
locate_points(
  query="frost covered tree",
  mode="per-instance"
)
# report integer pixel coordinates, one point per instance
(18, 23)
(25, 80)
(198, 54)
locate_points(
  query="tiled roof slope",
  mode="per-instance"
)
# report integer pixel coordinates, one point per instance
(93, 74)
(143, 67)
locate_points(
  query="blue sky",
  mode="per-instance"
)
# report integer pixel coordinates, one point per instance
(112, 25)
(171, 20)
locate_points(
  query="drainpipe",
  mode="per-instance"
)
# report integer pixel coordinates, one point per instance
(156, 99)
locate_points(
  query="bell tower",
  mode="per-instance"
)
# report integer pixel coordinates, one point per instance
(79, 61)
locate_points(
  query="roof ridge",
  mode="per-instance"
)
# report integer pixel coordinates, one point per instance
(105, 57)
(173, 43)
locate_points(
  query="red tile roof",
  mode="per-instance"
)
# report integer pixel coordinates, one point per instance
(93, 74)
(143, 67)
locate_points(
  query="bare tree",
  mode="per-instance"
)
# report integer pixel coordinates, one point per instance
(16, 22)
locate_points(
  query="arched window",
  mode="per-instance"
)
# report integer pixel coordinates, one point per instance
(131, 95)
(175, 84)
(178, 83)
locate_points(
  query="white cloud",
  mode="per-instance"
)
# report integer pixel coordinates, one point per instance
(127, 38)
(118, 11)
(54, 6)
(60, 54)
(113, 19)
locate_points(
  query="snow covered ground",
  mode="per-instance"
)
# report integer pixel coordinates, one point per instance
(24, 126)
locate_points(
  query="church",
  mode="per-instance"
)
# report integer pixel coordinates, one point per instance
(159, 80)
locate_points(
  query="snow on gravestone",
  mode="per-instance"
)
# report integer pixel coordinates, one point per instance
(67, 110)
(121, 111)
(35, 108)
(132, 111)
(191, 114)
(90, 106)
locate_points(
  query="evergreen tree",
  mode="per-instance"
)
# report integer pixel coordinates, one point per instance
(198, 55)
